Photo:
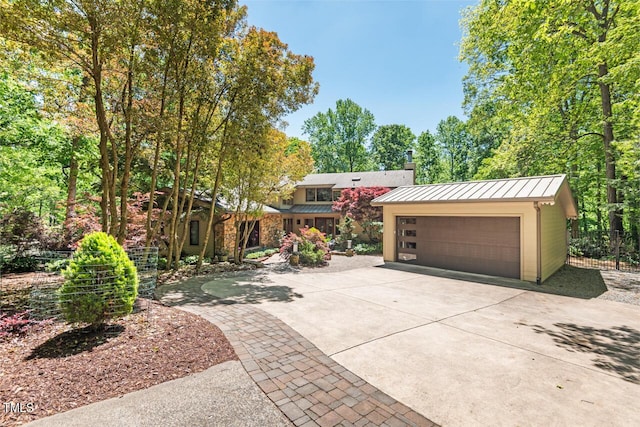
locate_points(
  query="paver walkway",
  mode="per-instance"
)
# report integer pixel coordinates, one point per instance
(310, 388)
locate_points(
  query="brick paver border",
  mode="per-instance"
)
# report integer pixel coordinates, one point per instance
(309, 387)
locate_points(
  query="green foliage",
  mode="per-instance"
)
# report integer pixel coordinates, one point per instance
(428, 159)
(57, 265)
(455, 146)
(312, 246)
(22, 232)
(347, 229)
(20, 264)
(191, 260)
(261, 254)
(7, 253)
(101, 282)
(552, 87)
(368, 248)
(389, 146)
(339, 138)
(310, 255)
(32, 153)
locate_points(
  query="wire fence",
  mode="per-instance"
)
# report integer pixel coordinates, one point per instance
(96, 288)
(602, 251)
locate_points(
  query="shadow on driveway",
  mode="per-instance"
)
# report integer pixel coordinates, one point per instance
(568, 281)
(615, 350)
(247, 287)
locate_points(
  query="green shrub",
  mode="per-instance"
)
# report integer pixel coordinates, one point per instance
(260, 254)
(20, 264)
(101, 282)
(310, 255)
(368, 248)
(57, 265)
(191, 260)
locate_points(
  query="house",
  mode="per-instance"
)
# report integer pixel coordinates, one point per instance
(507, 227)
(310, 206)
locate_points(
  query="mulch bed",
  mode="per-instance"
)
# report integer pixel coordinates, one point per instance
(54, 367)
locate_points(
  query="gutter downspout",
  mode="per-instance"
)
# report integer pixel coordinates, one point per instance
(538, 244)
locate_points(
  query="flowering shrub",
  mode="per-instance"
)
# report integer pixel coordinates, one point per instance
(312, 246)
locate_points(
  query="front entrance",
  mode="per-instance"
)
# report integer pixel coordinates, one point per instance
(326, 225)
(254, 236)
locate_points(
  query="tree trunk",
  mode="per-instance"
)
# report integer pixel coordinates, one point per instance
(103, 125)
(72, 189)
(615, 218)
(212, 209)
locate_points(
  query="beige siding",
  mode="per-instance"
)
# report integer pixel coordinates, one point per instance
(195, 249)
(524, 210)
(554, 239)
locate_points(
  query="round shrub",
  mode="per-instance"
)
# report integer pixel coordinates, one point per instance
(101, 282)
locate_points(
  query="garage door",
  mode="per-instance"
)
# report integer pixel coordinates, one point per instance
(485, 245)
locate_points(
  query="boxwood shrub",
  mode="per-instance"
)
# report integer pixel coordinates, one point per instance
(101, 282)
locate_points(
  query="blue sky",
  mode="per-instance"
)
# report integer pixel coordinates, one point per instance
(398, 59)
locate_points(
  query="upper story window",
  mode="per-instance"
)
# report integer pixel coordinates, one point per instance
(323, 195)
(311, 195)
(319, 195)
(336, 194)
(288, 202)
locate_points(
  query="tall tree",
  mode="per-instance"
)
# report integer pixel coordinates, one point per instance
(455, 145)
(389, 146)
(428, 159)
(339, 138)
(561, 74)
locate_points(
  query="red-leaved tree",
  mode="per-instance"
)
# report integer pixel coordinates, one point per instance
(356, 203)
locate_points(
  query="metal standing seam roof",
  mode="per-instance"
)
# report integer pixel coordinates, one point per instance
(310, 209)
(538, 188)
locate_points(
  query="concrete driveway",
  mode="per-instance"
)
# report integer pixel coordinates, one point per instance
(461, 353)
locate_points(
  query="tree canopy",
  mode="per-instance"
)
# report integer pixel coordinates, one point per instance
(558, 83)
(389, 146)
(339, 137)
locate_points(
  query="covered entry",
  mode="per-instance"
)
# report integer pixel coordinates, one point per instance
(485, 245)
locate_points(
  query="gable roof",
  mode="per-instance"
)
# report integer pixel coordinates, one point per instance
(542, 189)
(395, 178)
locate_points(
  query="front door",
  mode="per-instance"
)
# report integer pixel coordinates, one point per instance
(326, 225)
(254, 236)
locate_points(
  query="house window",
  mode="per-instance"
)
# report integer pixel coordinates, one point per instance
(288, 202)
(311, 195)
(308, 222)
(323, 195)
(319, 195)
(194, 233)
(336, 195)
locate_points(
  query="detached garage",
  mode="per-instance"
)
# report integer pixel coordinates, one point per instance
(507, 227)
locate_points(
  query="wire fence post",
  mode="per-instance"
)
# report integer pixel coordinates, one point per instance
(618, 243)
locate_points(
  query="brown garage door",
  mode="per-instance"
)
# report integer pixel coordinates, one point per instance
(485, 245)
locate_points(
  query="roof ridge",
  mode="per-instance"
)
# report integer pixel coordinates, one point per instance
(520, 178)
